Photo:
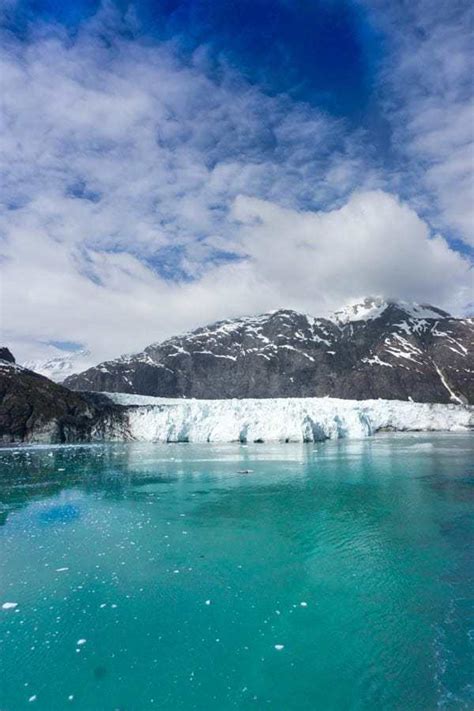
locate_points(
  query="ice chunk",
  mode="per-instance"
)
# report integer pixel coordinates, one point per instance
(9, 605)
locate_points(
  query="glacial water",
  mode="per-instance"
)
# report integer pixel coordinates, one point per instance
(293, 577)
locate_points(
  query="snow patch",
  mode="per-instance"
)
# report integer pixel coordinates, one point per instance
(373, 307)
(453, 395)
(366, 310)
(375, 360)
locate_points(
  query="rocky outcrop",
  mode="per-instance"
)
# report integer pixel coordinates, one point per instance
(374, 349)
(34, 409)
(6, 355)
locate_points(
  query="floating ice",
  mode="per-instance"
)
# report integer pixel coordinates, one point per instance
(9, 605)
(279, 647)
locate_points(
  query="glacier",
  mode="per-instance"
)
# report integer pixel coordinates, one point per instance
(154, 419)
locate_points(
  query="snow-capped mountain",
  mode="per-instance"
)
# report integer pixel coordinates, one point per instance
(374, 349)
(34, 409)
(60, 366)
(373, 307)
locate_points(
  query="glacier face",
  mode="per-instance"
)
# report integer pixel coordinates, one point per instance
(279, 420)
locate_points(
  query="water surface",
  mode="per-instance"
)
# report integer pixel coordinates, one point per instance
(331, 577)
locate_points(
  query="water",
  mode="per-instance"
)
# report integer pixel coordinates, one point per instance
(184, 577)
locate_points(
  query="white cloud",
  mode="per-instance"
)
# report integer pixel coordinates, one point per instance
(312, 261)
(428, 91)
(371, 245)
(159, 149)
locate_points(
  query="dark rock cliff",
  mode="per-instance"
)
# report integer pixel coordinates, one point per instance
(34, 409)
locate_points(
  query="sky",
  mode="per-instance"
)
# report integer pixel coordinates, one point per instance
(165, 164)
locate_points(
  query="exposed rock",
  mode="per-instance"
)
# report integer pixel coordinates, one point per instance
(375, 349)
(34, 409)
(6, 355)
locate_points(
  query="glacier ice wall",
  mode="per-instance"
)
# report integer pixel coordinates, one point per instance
(280, 420)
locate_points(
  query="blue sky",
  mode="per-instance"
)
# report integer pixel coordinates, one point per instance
(169, 163)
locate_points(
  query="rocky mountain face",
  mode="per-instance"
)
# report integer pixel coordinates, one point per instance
(374, 349)
(6, 355)
(34, 409)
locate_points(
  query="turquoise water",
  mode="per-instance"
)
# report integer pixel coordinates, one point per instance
(330, 577)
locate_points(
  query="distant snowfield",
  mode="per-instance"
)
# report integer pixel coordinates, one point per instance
(154, 419)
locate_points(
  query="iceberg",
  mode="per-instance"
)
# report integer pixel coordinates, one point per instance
(153, 419)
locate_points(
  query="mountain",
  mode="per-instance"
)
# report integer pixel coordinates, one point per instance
(34, 409)
(60, 366)
(374, 349)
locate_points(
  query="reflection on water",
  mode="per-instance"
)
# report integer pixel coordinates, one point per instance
(332, 576)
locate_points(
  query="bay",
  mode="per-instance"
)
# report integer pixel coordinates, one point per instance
(294, 577)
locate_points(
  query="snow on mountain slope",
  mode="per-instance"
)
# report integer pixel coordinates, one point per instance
(375, 349)
(60, 366)
(280, 420)
(373, 307)
(366, 310)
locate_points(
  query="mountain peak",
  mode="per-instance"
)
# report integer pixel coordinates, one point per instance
(374, 306)
(409, 351)
(61, 364)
